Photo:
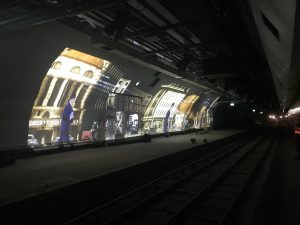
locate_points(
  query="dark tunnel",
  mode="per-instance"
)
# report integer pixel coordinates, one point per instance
(149, 112)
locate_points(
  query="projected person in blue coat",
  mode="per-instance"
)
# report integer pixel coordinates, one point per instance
(166, 121)
(66, 120)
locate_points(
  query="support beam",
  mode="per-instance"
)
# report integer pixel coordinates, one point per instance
(174, 49)
(137, 56)
(164, 28)
(220, 75)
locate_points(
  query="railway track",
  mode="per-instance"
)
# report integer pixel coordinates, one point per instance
(201, 192)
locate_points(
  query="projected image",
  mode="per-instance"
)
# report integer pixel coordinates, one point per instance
(200, 117)
(122, 118)
(167, 118)
(86, 98)
(160, 112)
(180, 120)
(133, 124)
(119, 122)
(66, 120)
(60, 105)
(177, 123)
(94, 131)
(121, 86)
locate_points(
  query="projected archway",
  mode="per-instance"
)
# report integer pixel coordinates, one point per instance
(72, 76)
(83, 97)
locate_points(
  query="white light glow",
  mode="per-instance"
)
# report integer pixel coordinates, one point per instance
(294, 111)
(165, 103)
(253, 110)
(273, 117)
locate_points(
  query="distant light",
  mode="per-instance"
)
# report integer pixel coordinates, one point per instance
(261, 112)
(272, 117)
(253, 110)
(137, 83)
(285, 116)
(280, 117)
(131, 100)
(232, 104)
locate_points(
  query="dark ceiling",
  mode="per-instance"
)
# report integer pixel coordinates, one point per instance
(212, 42)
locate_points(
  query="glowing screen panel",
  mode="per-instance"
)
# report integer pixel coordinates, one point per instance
(63, 95)
(165, 103)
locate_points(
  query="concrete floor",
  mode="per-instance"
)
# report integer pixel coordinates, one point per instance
(44, 173)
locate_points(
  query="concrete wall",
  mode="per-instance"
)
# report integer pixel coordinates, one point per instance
(25, 58)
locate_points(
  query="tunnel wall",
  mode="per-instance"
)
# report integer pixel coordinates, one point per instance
(26, 57)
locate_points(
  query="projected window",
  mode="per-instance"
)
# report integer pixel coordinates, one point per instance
(56, 65)
(88, 74)
(75, 69)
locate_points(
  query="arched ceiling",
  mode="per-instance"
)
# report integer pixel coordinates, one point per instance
(214, 43)
(278, 30)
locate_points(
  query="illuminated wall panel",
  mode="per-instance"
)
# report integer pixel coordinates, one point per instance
(166, 102)
(186, 104)
(103, 90)
(73, 72)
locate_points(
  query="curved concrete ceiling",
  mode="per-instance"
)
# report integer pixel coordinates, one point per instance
(279, 30)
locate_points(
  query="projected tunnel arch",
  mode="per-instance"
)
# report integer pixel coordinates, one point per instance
(107, 103)
(73, 73)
